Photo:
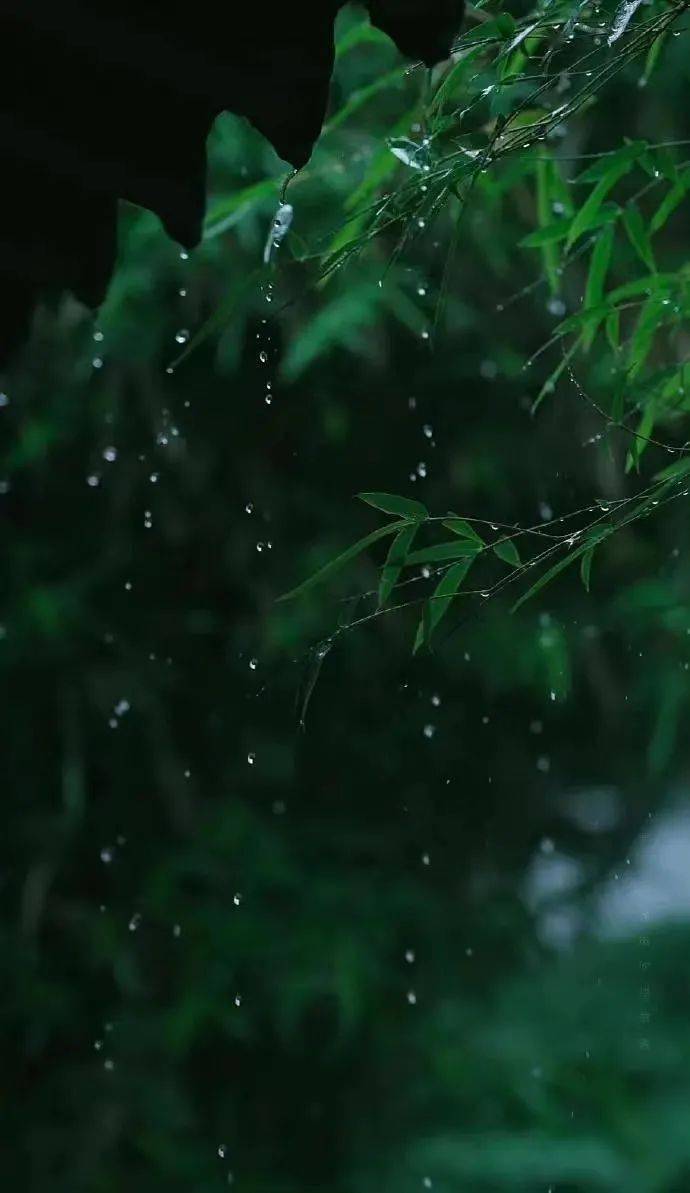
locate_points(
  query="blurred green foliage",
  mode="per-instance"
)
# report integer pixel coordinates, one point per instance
(238, 949)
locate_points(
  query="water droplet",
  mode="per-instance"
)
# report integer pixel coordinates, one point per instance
(421, 469)
(110, 454)
(121, 708)
(263, 357)
(435, 700)
(259, 547)
(238, 1000)
(4, 400)
(547, 845)
(182, 292)
(106, 854)
(135, 921)
(251, 758)
(411, 997)
(98, 1044)
(428, 430)
(409, 956)
(93, 481)
(237, 898)
(177, 930)
(426, 859)
(182, 335)
(253, 664)
(429, 731)
(222, 1150)
(109, 1065)
(98, 337)
(184, 256)
(249, 508)
(97, 362)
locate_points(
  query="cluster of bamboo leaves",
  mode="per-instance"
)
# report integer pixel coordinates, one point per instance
(492, 118)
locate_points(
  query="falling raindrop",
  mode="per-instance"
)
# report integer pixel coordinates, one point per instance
(135, 921)
(279, 229)
(251, 758)
(237, 898)
(182, 335)
(106, 854)
(411, 997)
(110, 454)
(429, 731)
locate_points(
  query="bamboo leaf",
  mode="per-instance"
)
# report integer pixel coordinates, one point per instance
(508, 552)
(672, 199)
(594, 291)
(391, 503)
(463, 528)
(334, 565)
(394, 561)
(586, 566)
(586, 215)
(440, 551)
(437, 605)
(638, 235)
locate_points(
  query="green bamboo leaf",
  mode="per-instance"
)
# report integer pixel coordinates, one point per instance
(638, 443)
(594, 291)
(644, 285)
(550, 384)
(645, 331)
(586, 566)
(620, 159)
(394, 561)
(339, 562)
(463, 528)
(508, 552)
(585, 217)
(390, 503)
(451, 550)
(437, 605)
(549, 575)
(549, 253)
(613, 329)
(638, 235)
(672, 199)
